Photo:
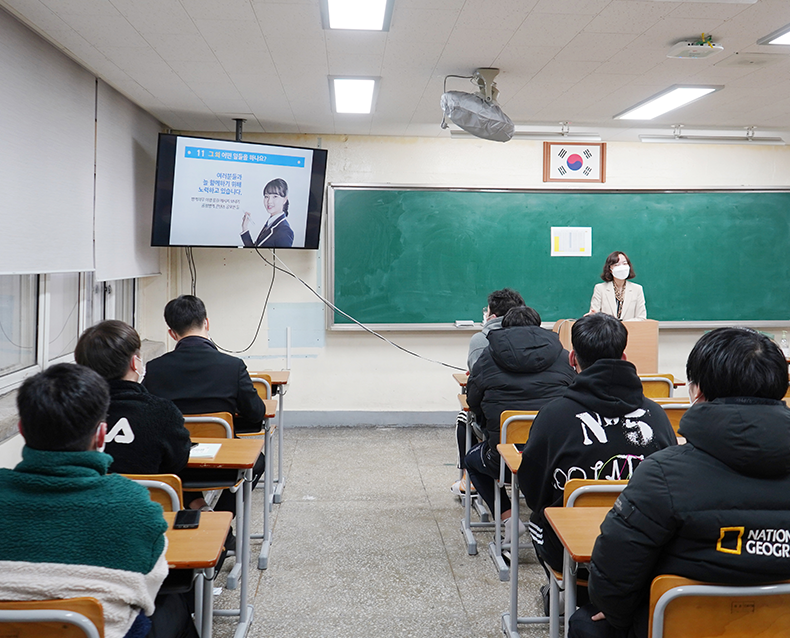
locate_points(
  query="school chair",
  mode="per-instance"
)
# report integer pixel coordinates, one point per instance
(578, 493)
(563, 329)
(164, 489)
(674, 412)
(514, 429)
(683, 608)
(65, 618)
(657, 385)
(211, 425)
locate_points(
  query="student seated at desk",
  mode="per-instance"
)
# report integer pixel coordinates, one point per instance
(711, 510)
(523, 368)
(198, 378)
(499, 302)
(145, 433)
(71, 529)
(601, 428)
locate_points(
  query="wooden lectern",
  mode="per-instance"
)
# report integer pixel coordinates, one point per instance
(642, 348)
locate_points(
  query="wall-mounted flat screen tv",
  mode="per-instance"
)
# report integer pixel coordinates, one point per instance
(231, 194)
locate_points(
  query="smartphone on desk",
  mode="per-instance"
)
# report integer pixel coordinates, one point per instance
(187, 519)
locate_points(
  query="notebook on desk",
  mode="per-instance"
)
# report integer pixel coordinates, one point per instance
(204, 450)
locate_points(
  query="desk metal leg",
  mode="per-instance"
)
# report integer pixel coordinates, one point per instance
(466, 522)
(244, 612)
(569, 580)
(510, 619)
(207, 603)
(233, 577)
(263, 557)
(280, 480)
(495, 547)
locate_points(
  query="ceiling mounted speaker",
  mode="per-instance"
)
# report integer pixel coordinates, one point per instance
(477, 113)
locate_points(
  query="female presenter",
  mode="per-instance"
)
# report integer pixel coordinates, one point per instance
(617, 296)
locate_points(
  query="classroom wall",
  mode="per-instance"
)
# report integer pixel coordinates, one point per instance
(354, 378)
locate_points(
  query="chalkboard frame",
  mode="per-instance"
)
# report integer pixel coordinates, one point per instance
(332, 325)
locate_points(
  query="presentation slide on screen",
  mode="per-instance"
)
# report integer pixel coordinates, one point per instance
(216, 182)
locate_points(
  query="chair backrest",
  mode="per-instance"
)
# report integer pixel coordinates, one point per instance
(675, 412)
(164, 489)
(683, 608)
(591, 492)
(563, 330)
(66, 618)
(657, 385)
(514, 425)
(263, 385)
(215, 425)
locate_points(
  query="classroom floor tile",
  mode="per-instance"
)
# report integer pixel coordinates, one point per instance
(367, 542)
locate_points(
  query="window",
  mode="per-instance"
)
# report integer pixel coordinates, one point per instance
(42, 317)
(18, 319)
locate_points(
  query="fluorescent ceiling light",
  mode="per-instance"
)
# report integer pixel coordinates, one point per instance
(782, 36)
(361, 15)
(674, 97)
(712, 139)
(352, 95)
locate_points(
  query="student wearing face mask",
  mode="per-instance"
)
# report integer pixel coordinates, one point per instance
(617, 296)
(145, 433)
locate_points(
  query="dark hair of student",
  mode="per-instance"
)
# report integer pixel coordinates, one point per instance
(183, 313)
(278, 187)
(598, 336)
(521, 316)
(108, 348)
(500, 301)
(61, 407)
(737, 362)
(611, 260)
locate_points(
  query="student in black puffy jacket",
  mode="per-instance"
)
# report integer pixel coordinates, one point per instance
(716, 509)
(602, 428)
(523, 368)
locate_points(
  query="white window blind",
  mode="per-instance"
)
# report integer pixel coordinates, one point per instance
(47, 109)
(126, 138)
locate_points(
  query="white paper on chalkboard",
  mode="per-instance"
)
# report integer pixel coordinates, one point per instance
(571, 241)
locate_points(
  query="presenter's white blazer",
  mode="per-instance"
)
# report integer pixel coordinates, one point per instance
(633, 301)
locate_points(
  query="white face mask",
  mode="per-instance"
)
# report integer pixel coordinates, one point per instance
(140, 373)
(621, 272)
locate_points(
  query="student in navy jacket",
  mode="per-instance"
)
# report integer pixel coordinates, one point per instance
(716, 509)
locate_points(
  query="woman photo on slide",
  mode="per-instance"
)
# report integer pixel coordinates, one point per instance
(276, 233)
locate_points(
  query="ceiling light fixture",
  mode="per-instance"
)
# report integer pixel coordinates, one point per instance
(353, 95)
(678, 138)
(782, 36)
(674, 97)
(526, 133)
(357, 15)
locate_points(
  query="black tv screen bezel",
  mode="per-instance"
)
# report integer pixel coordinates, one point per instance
(163, 192)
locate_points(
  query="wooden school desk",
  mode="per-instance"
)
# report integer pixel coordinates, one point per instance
(279, 382)
(199, 549)
(239, 455)
(577, 528)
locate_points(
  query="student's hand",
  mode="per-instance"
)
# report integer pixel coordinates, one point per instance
(245, 222)
(599, 616)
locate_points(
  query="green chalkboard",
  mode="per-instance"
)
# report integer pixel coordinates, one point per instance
(432, 256)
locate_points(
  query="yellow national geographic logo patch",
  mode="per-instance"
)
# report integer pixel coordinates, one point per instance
(730, 540)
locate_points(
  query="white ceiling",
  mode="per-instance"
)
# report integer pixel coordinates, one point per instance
(196, 64)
